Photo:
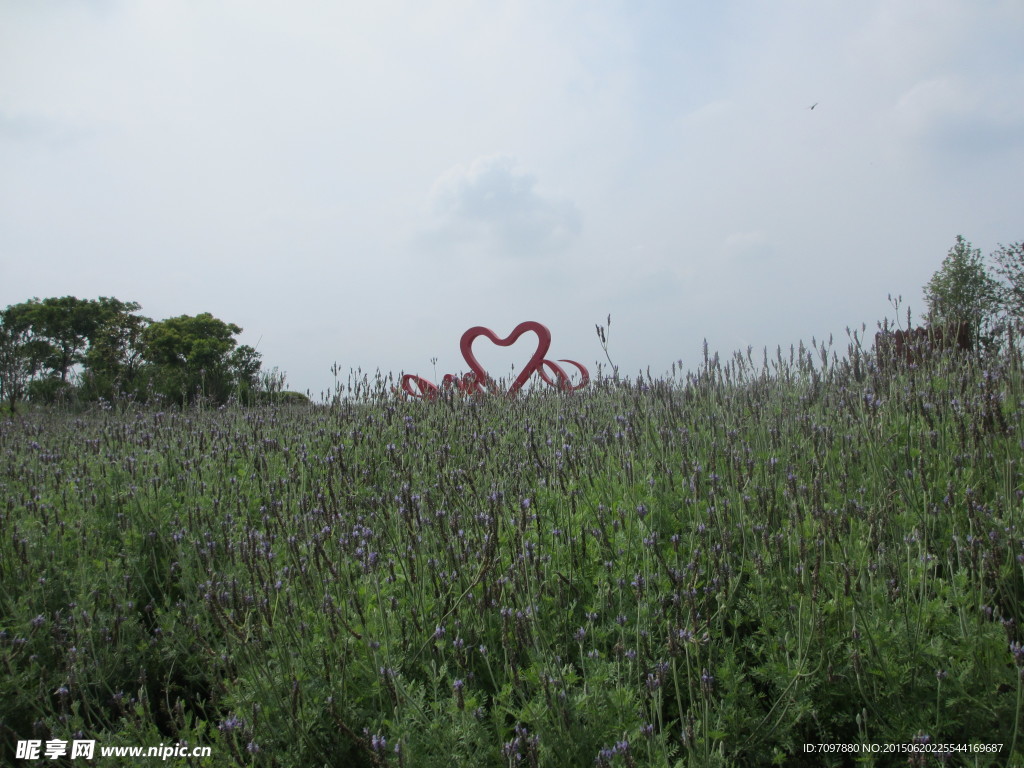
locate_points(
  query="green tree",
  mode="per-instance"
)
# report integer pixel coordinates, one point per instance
(64, 325)
(962, 291)
(1009, 265)
(59, 334)
(114, 357)
(17, 363)
(192, 356)
(245, 371)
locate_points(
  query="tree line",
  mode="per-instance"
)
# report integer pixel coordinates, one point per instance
(90, 349)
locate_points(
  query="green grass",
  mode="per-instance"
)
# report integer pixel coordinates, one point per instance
(715, 570)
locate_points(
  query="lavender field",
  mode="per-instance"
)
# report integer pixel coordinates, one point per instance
(714, 569)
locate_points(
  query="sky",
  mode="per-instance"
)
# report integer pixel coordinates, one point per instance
(356, 184)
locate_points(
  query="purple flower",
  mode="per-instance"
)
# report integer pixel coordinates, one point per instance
(707, 681)
(1017, 649)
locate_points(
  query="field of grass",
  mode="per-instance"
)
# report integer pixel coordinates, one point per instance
(710, 571)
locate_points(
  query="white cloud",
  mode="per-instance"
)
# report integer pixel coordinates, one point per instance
(748, 246)
(951, 117)
(27, 129)
(494, 206)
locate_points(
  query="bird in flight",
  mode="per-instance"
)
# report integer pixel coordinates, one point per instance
(814, 105)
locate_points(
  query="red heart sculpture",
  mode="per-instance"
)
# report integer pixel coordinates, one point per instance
(564, 382)
(535, 364)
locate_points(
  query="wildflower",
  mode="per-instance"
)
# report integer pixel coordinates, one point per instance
(1017, 649)
(707, 682)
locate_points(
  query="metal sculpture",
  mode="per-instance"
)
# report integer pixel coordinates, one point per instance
(475, 381)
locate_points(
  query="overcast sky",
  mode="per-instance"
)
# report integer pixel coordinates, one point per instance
(360, 182)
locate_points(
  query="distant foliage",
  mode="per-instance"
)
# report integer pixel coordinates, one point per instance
(71, 349)
(196, 356)
(1009, 265)
(962, 292)
(17, 364)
